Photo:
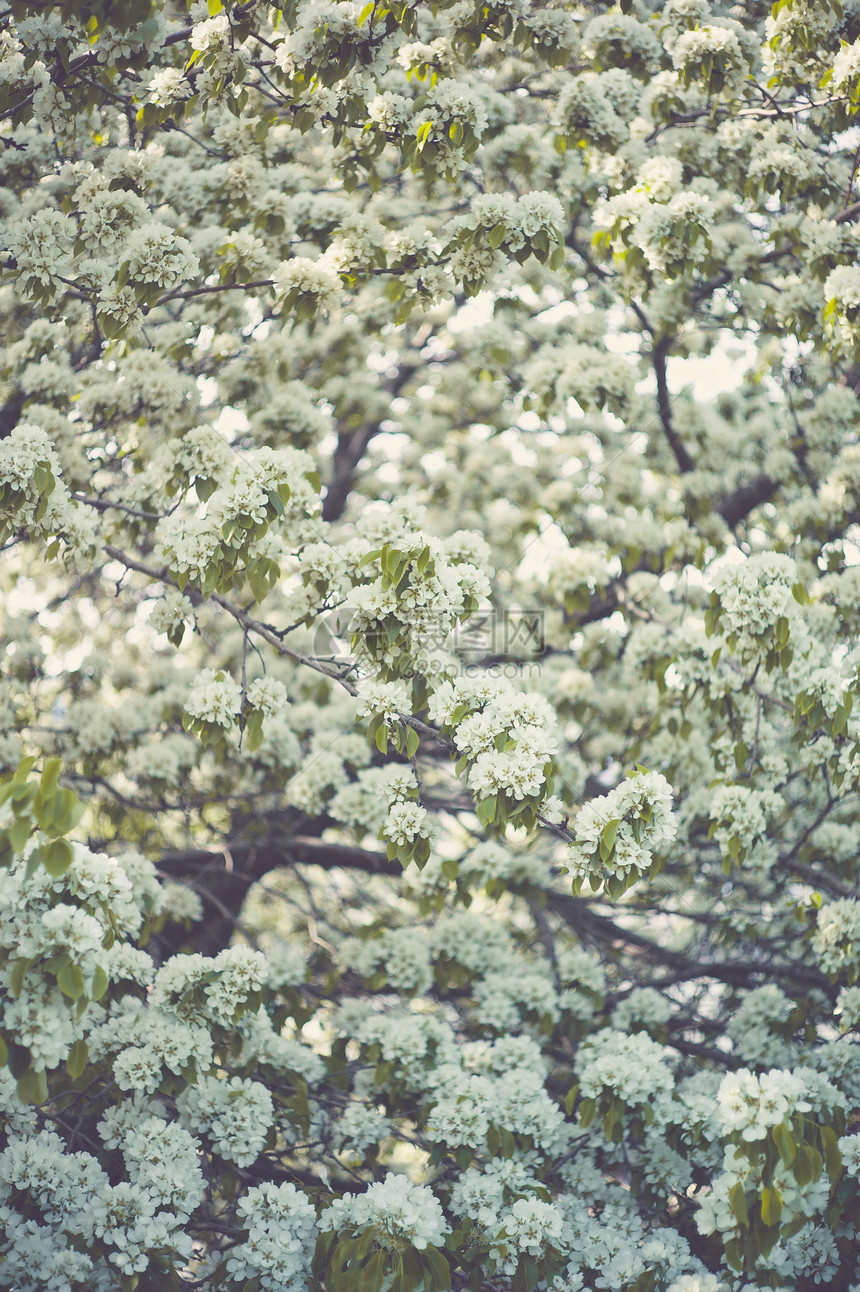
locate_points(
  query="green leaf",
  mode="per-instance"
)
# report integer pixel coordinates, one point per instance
(17, 973)
(99, 984)
(18, 833)
(832, 1155)
(259, 583)
(50, 779)
(373, 1274)
(57, 857)
(784, 1143)
(610, 833)
(486, 809)
(440, 1272)
(771, 1206)
(77, 1059)
(802, 1167)
(70, 981)
(735, 1253)
(24, 769)
(587, 1112)
(738, 1203)
(253, 730)
(32, 1087)
(413, 740)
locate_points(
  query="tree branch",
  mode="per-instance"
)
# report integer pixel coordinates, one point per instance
(280, 851)
(738, 505)
(600, 928)
(659, 354)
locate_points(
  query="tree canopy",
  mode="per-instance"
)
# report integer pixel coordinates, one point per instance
(430, 576)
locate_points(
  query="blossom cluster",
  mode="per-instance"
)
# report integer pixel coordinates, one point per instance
(750, 1105)
(634, 1068)
(658, 226)
(278, 1249)
(837, 937)
(235, 1115)
(530, 1226)
(405, 601)
(740, 817)
(754, 595)
(28, 473)
(615, 838)
(403, 958)
(398, 1213)
(506, 738)
(470, 1103)
(231, 540)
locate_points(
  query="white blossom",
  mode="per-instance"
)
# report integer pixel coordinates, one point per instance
(395, 1209)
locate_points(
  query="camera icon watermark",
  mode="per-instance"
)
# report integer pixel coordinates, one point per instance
(506, 643)
(500, 636)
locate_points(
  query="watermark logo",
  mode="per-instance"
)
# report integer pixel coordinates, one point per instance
(489, 636)
(502, 642)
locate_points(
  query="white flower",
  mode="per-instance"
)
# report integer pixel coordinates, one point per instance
(212, 31)
(849, 1147)
(537, 211)
(842, 285)
(189, 543)
(695, 49)
(697, 1283)
(214, 697)
(751, 1105)
(163, 1158)
(170, 611)
(360, 1126)
(837, 934)
(405, 820)
(278, 1250)
(235, 1114)
(40, 244)
(23, 452)
(386, 698)
(167, 85)
(642, 808)
(396, 1209)
(846, 65)
(530, 1226)
(158, 257)
(268, 695)
(848, 1006)
(633, 1067)
(313, 278)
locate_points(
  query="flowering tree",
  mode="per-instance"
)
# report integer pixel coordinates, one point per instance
(428, 773)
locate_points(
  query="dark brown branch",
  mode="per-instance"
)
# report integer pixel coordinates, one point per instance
(659, 356)
(848, 215)
(738, 505)
(601, 929)
(257, 859)
(210, 289)
(349, 452)
(820, 879)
